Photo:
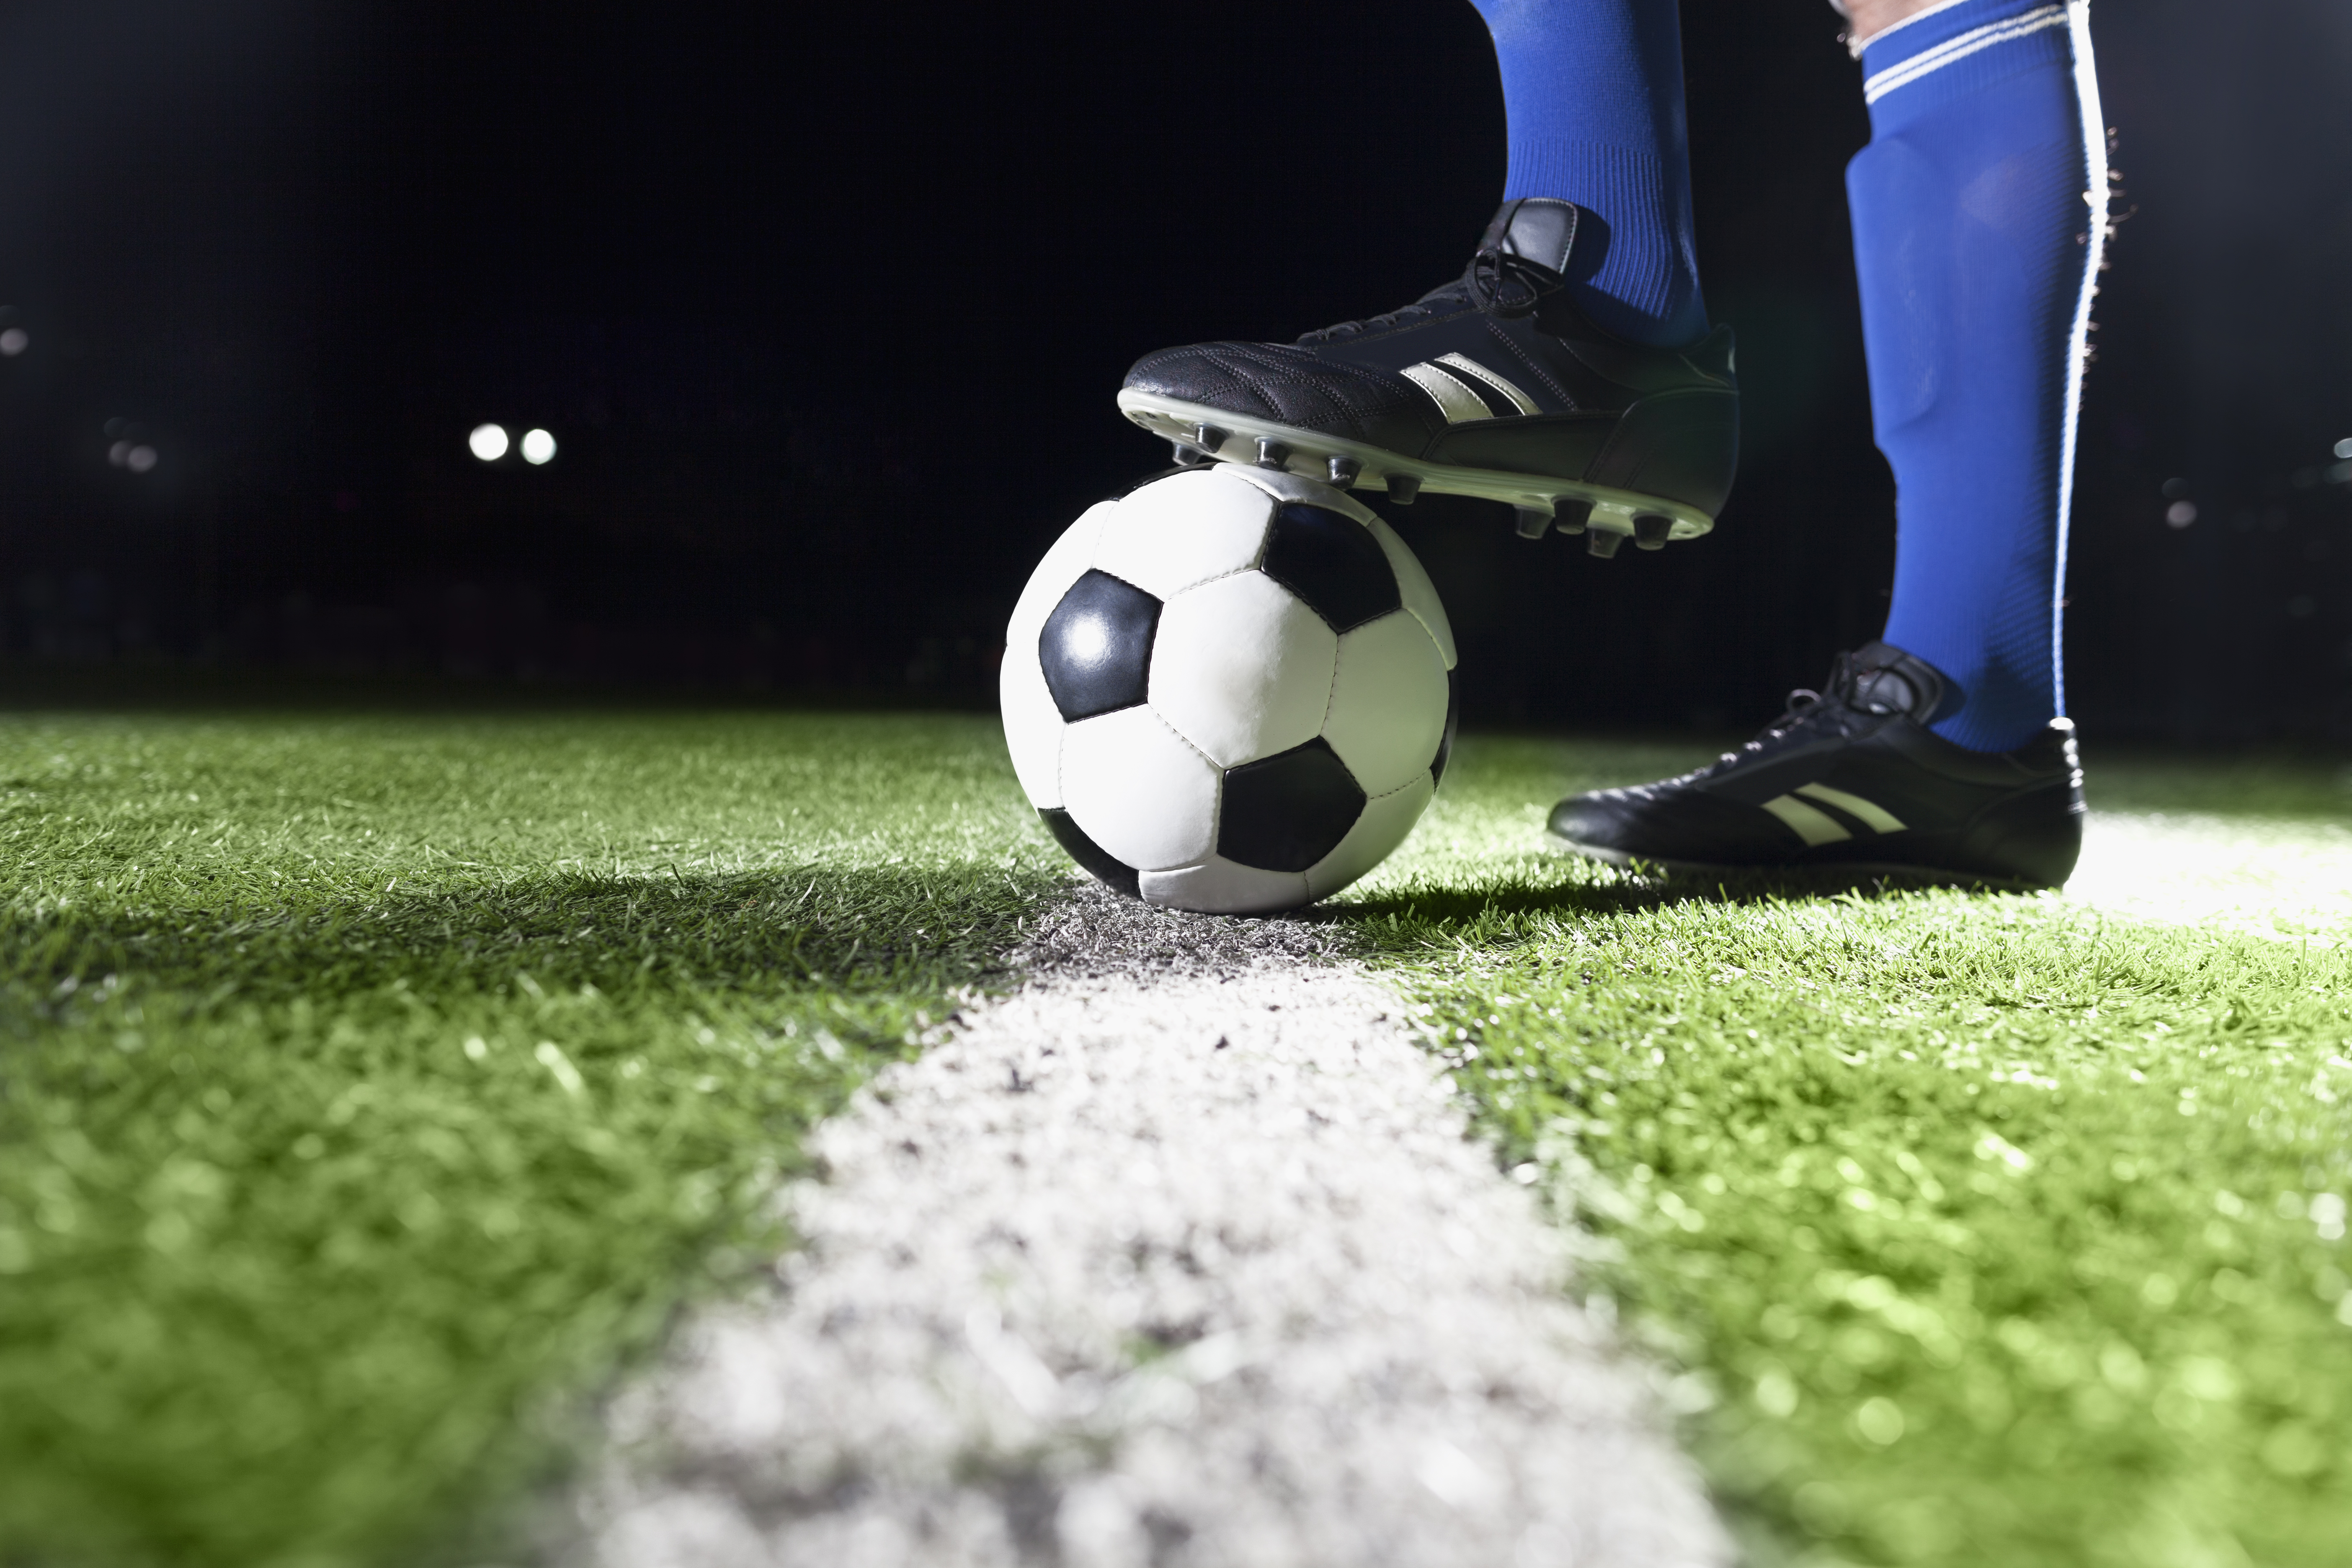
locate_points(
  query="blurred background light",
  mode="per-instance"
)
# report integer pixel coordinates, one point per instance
(127, 446)
(2344, 447)
(12, 342)
(2181, 513)
(488, 442)
(538, 446)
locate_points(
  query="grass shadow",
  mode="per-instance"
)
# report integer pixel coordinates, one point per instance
(857, 927)
(1609, 892)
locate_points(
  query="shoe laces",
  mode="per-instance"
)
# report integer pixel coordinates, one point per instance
(1494, 280)
(1803, 706)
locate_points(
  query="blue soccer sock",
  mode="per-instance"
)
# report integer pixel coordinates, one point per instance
(1976, 248)
(1594, 91)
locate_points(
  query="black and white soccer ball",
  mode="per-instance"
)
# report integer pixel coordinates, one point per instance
(1230, 689)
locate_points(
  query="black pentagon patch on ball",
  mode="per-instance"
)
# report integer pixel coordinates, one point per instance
(1107, 867)
(1286, 812)
(1333, 563)
(1445, 741)
(1095, 648)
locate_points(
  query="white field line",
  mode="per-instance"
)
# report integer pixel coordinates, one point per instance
(1178, 1257)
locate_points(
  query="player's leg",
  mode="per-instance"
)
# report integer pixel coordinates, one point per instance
(1871, 17)
(1592, 96)
(1978, 248)
(1568, 372)
(1978, 210)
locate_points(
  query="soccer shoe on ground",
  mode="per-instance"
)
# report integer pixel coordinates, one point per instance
(1852, 779)
(1493, 386)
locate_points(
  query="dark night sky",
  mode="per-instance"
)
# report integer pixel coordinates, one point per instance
(826, 308)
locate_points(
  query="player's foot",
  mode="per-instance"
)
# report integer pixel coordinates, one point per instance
(1851, 779)
(1492, 386)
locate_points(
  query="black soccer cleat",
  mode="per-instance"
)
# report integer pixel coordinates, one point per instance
(1852, 780)
(1494, 385)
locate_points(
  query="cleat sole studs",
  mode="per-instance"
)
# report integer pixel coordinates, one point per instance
(1650, 532)
(1533, 524)
(1343, 471)
(1572, 515)
(1271, 453)
(1402, 487)
(1209, 438)
(1602, 542)
(1188, 456)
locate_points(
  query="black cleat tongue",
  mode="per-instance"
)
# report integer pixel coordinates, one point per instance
(1541, 229)
(1888, 680)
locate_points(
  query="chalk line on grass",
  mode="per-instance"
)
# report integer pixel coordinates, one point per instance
(1178, 1256)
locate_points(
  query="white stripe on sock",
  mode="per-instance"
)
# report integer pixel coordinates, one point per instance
(1855, 45)
(2094, 163)
(1928, 61)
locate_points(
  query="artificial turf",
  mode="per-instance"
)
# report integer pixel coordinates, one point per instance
(1982, 1229)
(372, 1087)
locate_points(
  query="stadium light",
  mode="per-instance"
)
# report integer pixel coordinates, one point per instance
(488, 442)
(129, 448)
(538, 446)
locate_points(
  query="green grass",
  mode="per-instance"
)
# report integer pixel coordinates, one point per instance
(1983, 1229)
(372, 1088)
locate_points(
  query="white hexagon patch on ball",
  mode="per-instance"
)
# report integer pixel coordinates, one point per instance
(1231, 689)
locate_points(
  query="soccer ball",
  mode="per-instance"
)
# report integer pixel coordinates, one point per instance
(1231, 689)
